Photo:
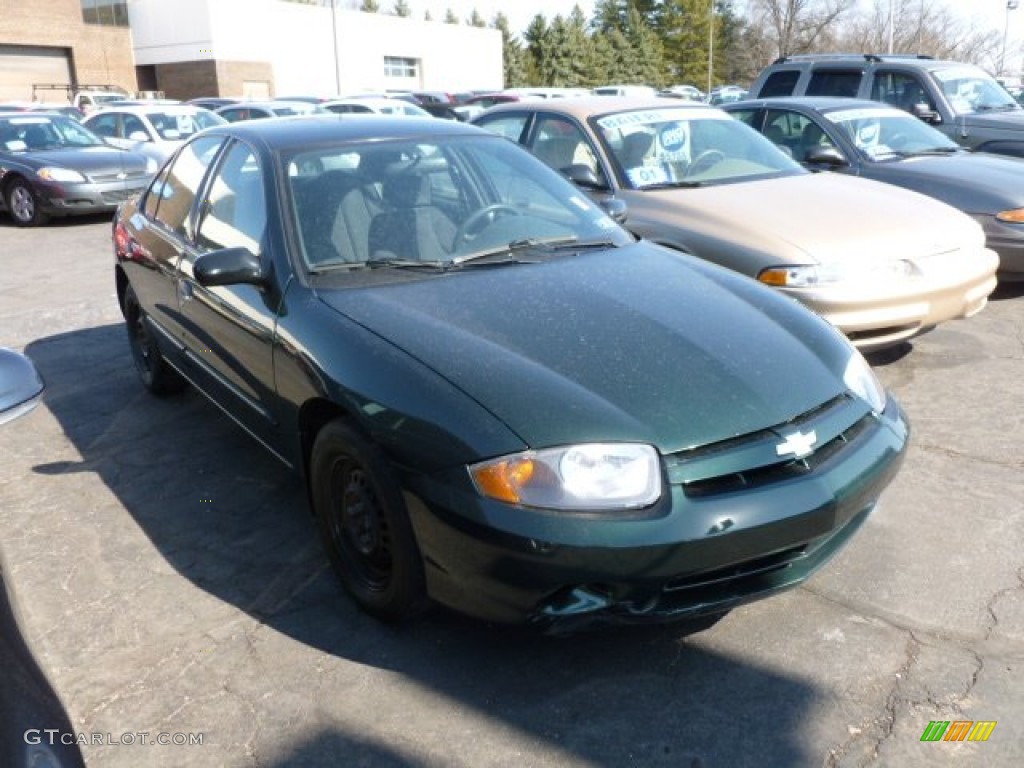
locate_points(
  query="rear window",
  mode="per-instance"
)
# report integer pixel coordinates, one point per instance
(781, 83)
(834, 83)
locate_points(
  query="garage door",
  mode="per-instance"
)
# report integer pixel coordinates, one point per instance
(22, 65)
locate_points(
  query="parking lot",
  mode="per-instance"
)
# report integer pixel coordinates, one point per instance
(171, 581)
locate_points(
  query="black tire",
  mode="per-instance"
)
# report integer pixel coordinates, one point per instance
(364, 524)
(157, 376)
(23, 204)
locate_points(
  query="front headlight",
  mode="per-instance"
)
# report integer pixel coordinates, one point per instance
(861, 380)
(811, 275)
(59, 174)
(1015, 216)
(592, 476)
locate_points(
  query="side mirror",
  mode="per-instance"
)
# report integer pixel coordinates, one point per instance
(229, 266)
(923, 112)
(139, 136)
(829, 156)
(583, 176)
(21, 387)
(615, 208)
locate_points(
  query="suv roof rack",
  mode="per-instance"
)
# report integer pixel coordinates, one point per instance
(873, 57)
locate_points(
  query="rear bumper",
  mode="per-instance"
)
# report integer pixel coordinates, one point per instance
(691, 557)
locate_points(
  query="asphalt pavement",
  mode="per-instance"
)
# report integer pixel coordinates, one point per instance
(172, 585)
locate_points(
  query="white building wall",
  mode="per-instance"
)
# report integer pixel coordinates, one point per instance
(297, 40)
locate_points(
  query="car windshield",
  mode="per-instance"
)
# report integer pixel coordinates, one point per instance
(679, 146)
(45, 132)
(443, 201)
(970, 89)
(178, 126)
(881, 133)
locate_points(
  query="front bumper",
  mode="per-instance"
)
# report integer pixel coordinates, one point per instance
(61, 199)
(699, 552)
(873, 316)
(1007, 240)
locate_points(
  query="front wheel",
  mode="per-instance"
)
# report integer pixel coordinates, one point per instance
(23, 204)
(157, 376)
(364, 524)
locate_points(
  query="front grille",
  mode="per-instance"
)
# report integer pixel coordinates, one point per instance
(101, 178)
(751, 461)
(757, 567)
(115, 196)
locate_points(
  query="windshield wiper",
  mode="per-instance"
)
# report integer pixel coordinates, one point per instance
(673, 185)
(527, 244)
(395, 263)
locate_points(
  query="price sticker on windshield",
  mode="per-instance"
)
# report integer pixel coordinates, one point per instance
(645, 175)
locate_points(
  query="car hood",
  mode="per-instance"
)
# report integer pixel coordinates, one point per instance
(1012, 121)
(635, 344)
(976, 182)
(801, 219)
(91, 161)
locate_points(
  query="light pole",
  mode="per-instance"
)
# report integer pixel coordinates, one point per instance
(334, 31)
(1011, 5)
(892, 24)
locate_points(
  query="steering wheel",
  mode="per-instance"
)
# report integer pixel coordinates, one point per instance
(479, 219)
(705, 160)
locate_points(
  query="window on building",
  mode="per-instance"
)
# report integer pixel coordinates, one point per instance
(396, 66)
(109, 13)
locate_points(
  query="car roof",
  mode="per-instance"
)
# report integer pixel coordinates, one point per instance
(818, 103)
(582, 107)
(272, 104)
(145, 109)
(287, 133)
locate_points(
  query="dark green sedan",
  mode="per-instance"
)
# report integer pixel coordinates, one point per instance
(500, 401)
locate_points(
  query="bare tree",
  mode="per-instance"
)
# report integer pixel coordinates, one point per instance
(798, 26)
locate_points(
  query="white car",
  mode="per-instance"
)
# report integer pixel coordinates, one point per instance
(155, 130)
(376, 105)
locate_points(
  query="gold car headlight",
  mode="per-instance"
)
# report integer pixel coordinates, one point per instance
(1016, 216)
(591, 476)
(811, 275)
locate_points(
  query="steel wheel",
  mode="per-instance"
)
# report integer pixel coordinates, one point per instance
(23, 204)
(364, 524)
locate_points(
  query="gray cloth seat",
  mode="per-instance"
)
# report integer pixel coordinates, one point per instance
(335, 213)
(410, 227)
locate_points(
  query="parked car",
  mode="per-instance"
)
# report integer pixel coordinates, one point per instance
(469, 362)
(375, 106)
(41, 106)
(51, 165)
(212, 102)
(644, 91)
(725, 95)
(697, 181)
(259, 110)
(688, 92)
(31, 713)
(876, 141)
(963, 101)
(155, 130)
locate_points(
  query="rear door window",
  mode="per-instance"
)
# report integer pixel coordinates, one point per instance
(178, 191)
(834, 82)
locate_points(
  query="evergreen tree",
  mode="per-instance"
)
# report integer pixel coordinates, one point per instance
(513, 56)
(534, 36)
(370, 6)
(649, 50)
(402, 8)
(450, 17)
(476, 20)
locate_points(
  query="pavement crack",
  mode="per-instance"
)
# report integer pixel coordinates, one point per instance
(990, 605)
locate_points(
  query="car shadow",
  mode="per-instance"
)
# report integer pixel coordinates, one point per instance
(6, 222)
(234, 522)
(1007, 290)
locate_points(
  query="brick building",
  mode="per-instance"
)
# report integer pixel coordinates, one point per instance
(73, 42)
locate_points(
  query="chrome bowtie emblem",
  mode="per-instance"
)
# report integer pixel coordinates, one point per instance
(798, 443)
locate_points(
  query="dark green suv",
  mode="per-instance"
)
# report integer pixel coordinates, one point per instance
(961, 100)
